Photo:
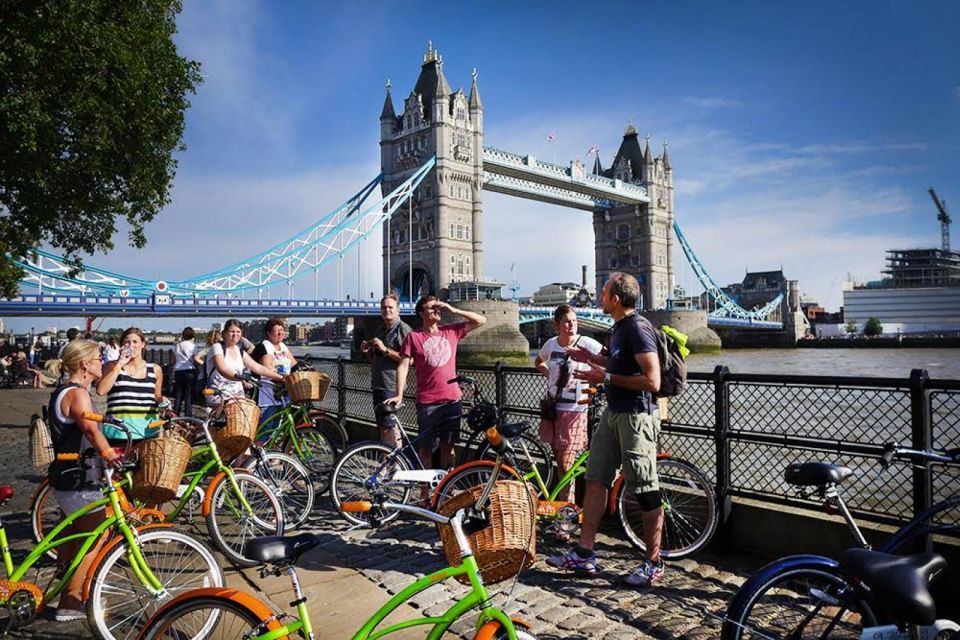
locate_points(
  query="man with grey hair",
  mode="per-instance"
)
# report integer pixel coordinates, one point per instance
(627, 435)
(383, 352)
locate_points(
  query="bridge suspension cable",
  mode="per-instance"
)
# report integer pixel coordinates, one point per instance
(726, 306)
(286, 261)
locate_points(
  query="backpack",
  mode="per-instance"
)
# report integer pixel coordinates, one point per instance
(672, 352)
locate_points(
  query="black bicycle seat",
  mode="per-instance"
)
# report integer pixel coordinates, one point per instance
(816, 474)
(384, 409)
(514, 429)
(279, 549)
(898, 585)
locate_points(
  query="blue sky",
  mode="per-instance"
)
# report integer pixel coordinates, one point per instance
(803, 135)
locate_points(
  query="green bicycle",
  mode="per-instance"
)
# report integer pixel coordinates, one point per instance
(310, 435)
(215, 613)
(136, 571)
(236, 504)
(689, 504)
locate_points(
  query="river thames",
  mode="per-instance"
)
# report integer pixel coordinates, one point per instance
(891, 363)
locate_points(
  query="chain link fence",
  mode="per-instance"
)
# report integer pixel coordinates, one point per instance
(742, 430)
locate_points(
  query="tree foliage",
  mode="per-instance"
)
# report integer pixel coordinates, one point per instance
(851, 327)
(872, 327)
(92, 102)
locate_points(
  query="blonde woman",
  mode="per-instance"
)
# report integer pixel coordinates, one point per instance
(73, 486)
(132, 386)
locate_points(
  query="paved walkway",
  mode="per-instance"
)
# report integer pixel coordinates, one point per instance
(354, 572)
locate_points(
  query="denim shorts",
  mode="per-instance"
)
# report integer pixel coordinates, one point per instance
(627, 440)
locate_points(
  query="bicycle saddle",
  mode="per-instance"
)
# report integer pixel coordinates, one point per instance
(898, 585)
(815, 474)
(279, 549)
(514, 429)
(6, 494)
(384, 409)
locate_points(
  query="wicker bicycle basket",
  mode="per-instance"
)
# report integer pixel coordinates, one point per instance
(163, 461)
(509, 544)
(307, 386)
(233, 438)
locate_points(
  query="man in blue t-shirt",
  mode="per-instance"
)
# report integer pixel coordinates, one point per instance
(628, 430)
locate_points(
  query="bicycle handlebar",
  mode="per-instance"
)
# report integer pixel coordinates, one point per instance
(892, 450)
(116, 422)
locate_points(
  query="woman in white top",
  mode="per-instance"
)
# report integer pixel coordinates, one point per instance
(184, 373)
(567, 433)
(273, 353)
(226, 361)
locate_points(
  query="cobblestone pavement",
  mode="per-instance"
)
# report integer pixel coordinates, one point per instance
(687, 603)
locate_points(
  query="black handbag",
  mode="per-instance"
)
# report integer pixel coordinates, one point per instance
(548, 403)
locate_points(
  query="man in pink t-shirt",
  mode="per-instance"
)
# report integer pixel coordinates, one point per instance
(433, 349)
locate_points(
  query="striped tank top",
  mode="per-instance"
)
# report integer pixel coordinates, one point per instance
(133, 401)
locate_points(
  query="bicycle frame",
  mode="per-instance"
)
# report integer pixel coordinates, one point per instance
(52, 540)
(477, 597)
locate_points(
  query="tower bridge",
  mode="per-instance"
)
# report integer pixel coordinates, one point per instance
(435, 166)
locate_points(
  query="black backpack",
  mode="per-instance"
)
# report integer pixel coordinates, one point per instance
(673, 368)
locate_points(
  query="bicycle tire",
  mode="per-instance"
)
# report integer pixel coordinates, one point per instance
(941, 520)
(205, 617)
(330, 427)
(291, 484)
(350, 474)
(45, 514)
(791, 592)
(119, 604)
(689, 510)
(465, 477)
(229, 527)
(316, 453)
(540, 452)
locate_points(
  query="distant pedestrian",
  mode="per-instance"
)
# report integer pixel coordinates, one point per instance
(111, 352)
(566, 431)
(383, 352)
(184, 372)
(34, 356)
(627, 435)
(433, 350)
(72, 334)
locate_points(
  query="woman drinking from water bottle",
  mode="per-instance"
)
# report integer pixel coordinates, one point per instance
(133, 389)
(273, 354)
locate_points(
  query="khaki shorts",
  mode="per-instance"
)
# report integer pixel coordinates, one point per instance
(627, 440)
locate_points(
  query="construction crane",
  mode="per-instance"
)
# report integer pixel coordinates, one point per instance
(944, 219)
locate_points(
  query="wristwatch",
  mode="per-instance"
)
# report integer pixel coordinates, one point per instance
(608, 378)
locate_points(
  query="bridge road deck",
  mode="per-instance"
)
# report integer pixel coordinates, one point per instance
(352, 573)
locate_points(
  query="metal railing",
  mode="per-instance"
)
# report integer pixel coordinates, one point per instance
(742, 430)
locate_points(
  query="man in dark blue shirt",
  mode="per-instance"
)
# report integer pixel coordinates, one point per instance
(627, 435)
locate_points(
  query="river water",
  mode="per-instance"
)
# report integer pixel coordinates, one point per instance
(892, 363)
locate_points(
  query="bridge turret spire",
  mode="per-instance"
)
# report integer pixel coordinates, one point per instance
(647, 156)
(475, 103)
(388, 113)
(666, 158)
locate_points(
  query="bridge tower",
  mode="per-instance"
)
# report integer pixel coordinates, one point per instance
(444, 237)
(637, 239)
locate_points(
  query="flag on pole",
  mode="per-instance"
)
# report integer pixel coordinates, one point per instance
(594, 149)
(551, 136)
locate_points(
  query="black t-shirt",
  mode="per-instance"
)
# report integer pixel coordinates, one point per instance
(630, 335)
